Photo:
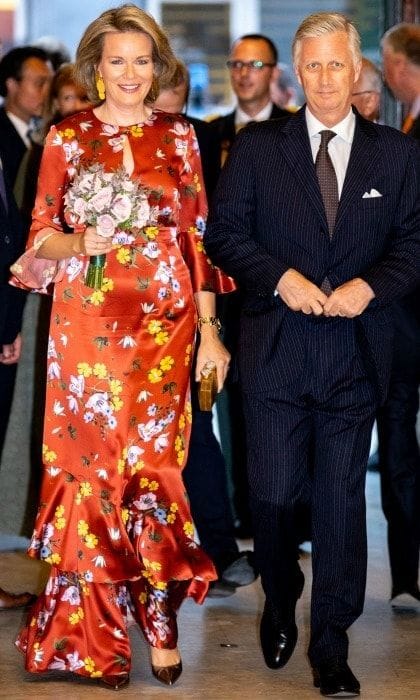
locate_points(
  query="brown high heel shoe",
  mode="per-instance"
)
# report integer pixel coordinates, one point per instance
(167, 674)
(114, 682)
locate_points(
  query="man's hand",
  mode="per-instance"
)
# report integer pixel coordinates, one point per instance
(349, 300)
(11, 351)
(300, 294)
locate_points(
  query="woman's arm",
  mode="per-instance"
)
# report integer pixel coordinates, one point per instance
(55, 245)
(210, 348)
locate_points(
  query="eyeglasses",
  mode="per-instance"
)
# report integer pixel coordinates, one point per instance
(251, 65)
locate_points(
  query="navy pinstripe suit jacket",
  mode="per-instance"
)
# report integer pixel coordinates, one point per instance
(268, 216)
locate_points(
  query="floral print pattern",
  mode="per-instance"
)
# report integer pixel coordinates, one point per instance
(113, 521)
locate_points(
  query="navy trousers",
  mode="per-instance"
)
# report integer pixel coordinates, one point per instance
(319, 424)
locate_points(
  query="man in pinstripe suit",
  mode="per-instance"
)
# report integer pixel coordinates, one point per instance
(320, 273)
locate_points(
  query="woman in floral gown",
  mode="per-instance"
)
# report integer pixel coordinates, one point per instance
(113, 520)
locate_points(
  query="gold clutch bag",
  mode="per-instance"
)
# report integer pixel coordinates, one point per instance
(207, 390)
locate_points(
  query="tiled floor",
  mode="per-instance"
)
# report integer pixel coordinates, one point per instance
(219, 643)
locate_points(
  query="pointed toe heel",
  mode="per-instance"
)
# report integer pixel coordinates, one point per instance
(115, 682)
(167, 674)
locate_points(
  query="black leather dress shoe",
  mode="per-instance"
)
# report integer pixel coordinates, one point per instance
(278, 638)
(335, 679)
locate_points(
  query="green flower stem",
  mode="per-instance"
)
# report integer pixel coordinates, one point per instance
(95, 271)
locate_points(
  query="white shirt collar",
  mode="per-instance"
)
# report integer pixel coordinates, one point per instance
(344, 129)
(21, 127)
(242, 118)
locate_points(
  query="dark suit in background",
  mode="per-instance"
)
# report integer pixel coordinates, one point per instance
(12, 243)
(233, 435)
(314, 378)
(398, 447)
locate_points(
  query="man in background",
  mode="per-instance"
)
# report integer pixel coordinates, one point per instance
(252, 66)
(398, 447)
(367, 90)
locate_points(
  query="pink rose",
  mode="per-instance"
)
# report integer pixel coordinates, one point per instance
(102, 199)
(105, 225)
(79, 208)
(121, 208)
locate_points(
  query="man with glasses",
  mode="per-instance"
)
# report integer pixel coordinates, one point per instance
(253, 66)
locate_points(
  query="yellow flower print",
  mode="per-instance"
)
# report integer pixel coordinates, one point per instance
(180, 457)
(89, 664)
(153, 486)
(138, 466)
(54, 558)
(123, 255)
(155, 566)
(197, 183)
(192, 230)
(143, 598)
(188, 351)
(85, 488)
(96, 297)
(59, 511)
(91, 541)
(144, 481)
(136, 131)
(151, 232)
(174, 507)
(188, 528)
(188, 411)
(171, 518)
(107, 284)
(179, 443)
(116, 403)
(181, 422)
(49, 455)
(84, 369)
(121, 466)
(100, 370)
(154, 327)
(161, 585)
(161, 338)
(60, 523)
(125, 515)
(74, 619)
(82, 528)
(115, 386)
(155, 375)
(146, 574)
(96, 674)
(67, 133)
(200, 246)
(166, 363)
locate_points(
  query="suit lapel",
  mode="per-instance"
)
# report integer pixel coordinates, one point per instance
(297, 152)
(363, 158)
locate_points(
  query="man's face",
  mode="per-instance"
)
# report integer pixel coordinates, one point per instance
(325, 69)
(26, 96)
(251, 84)
(365, 99)
(394, 65)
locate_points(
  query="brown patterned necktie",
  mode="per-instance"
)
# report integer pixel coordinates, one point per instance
(327, 179)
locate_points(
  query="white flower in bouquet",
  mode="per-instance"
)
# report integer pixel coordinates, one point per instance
(112, 202)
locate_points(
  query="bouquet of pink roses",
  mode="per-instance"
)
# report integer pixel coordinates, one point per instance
(112, 202)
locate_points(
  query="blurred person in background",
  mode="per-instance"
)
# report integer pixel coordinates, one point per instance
(283, 89)
(367, 91)
(205, 472)
(398, 446)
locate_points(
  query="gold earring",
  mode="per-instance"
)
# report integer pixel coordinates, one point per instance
(100, 86)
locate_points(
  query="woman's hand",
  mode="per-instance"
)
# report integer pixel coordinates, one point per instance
(211, 349)
(93, 244)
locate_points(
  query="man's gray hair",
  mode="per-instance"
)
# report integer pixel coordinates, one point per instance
(321, 23)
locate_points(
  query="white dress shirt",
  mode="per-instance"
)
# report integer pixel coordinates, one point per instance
(242, 118)
(339, 147)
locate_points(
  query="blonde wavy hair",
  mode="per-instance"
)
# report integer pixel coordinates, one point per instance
(126, 18)
(321, 23)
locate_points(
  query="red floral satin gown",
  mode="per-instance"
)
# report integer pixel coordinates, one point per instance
(113, 520)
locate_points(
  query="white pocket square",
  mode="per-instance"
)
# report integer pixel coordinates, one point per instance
(372, 193)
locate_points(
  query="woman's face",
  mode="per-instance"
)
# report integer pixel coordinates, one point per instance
(126, 67)
(70, 99)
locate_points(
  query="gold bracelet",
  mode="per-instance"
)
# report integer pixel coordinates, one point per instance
(209, 320)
